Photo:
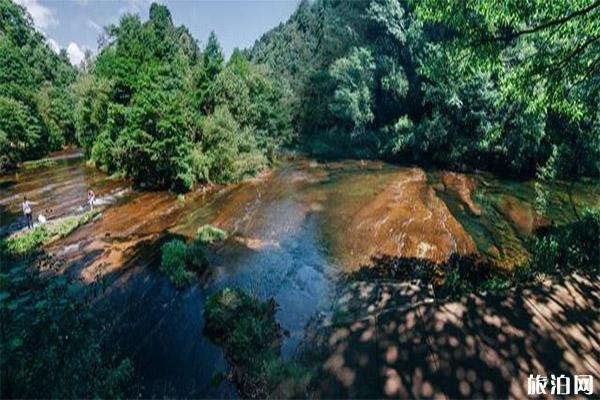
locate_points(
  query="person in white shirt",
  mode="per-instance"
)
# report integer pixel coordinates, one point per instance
(91, 198)
(27, 212)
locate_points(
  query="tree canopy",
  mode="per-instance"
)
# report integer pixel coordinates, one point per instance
(511, 87)
(35, 97)
(152, 105)
(159, 109)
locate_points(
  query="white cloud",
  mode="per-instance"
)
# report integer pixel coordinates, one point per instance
(93, 24)
(136, 6)
(53, 45)
(43, 17)
(75, 53)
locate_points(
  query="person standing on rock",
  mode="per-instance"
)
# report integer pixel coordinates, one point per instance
(91, 198)
(27, 212)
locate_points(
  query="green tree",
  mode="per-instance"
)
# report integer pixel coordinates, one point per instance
(147, 107)
(509, 87)
(211, 65)
(353, 98)
(19, 133)
(37, 81)
(232, 150)
(545, 55)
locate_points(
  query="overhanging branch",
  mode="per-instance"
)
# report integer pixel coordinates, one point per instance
(548, 24)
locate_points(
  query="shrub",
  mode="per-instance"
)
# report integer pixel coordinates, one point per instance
(251, 338)
(226, 306)
(21, 245)
(69, 224)
(181, 262)
(287, 379)
(495, 284)
(195, 257)
(210, 234)
(254, 340)
(455, 285)
(575, 246)
(173, 262)
(28, 242)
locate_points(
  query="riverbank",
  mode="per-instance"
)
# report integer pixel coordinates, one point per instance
(410, 345)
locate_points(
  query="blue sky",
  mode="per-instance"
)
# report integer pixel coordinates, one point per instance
(76, 24)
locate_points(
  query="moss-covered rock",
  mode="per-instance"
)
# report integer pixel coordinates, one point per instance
(210, 234)
(251, 337)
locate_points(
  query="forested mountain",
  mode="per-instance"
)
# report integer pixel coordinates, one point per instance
(513, 89)
(152, 105)
(35, 101)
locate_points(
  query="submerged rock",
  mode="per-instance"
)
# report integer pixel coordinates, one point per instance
(462, 186)
(522, 215)
(407, 219)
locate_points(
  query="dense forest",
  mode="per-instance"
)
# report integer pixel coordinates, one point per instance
(151, 105)
(36, 102)
(511, 88)
(514, 90)
(156, 107)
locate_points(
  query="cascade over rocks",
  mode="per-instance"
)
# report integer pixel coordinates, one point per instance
(407, 219)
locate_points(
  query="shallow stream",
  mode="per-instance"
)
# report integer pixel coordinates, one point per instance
(293, 232)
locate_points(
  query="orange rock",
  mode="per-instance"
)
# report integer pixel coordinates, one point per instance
(407, 219)
(462, 185)
(521, 214)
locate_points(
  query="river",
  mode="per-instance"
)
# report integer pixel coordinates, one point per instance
(294, 232)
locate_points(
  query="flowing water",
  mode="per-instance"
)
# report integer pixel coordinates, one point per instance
(293, 233)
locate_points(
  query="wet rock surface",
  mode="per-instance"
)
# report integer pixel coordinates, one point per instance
(54, 191)
(521, 214)
(407, 219)
(463, 187)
